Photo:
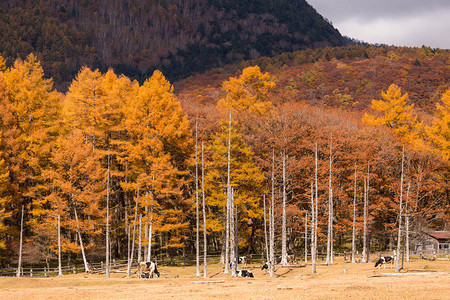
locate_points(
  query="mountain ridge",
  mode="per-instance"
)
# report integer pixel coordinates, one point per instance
(178, 37)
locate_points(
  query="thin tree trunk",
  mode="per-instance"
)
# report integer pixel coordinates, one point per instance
(399, 237)
(86, 266)
(272, 222)
(139, 258)
(407, 222)
(150, 235)
(146, 227)
(354, 222)
(19, 264)
(232, 237)
(330, 210)
(205, 242)
(306, 238)
(130, 262)
(265, 229)
(107, 221)
(227, 233)
(236, 235)
(59, 247)
(364, 253)
(315, 211)
(127, 230)
(316, 217)
(150, 226)
(313, 231)
(283, 228)
(367, 214)
(197, 220)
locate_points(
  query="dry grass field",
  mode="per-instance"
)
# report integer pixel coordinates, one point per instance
(357, 282)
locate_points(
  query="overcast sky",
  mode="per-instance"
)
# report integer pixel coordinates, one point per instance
(393, 22)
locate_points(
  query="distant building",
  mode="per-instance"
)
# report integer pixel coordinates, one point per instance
(432, 242)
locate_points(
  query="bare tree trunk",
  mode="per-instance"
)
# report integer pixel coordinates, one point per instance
(139, 258)
(86, 266)
(265, 229)
(130, 262)
(107, 221)
(197, 224)
(306, 238)
(407, 222)
(399, 237)
(150, 235)
(364, 253)
(316, 217)
(283, 228)
(227, 233)
(354, 222)
(236, 234)
(127, 230)
(232, 237)
(150, 225)
(19, 264)
(272, 222)
(60, 273)
(146, 229)
(367, 214)
(205, 242)
(330, 211)
(313, 227)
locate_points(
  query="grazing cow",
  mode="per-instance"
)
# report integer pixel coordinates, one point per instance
(145, 275)
(245, 273)
(149, 267)
(383, 260)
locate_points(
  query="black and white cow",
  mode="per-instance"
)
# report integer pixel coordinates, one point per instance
(244, 273)
(242, 260)
(148, 267)
(266, 266)
(383, 260)
(145, 275)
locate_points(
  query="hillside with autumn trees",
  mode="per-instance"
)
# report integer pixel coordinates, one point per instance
(136, 37)
(115, 163)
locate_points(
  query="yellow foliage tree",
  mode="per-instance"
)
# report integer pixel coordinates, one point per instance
(439, 132)
(247, 180)
(248, 92)
(393, 112)
(158, 146)
(35, 106)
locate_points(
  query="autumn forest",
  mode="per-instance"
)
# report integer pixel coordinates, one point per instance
(110, 155)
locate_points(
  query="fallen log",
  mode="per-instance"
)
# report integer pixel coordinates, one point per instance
(305, 275)
(209, 281)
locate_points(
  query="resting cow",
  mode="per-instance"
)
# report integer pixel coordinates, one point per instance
(245, 273)
(383, 260)
(147, 267)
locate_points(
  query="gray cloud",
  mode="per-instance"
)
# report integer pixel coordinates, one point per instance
(393, 22)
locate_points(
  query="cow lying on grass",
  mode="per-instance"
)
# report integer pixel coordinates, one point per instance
(148, 268)
(244, 273)
(383, 260)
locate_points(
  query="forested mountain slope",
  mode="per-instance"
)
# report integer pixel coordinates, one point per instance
(347, 77)
(137, 36)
